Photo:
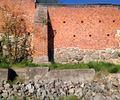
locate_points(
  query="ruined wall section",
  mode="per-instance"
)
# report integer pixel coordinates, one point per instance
(85, 27)
(40, 36)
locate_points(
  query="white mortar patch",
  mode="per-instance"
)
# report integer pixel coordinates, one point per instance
(117, 36)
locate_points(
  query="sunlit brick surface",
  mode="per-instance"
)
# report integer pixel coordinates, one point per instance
(27, 10)
(86, 28)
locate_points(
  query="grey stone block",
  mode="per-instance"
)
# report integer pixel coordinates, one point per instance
(115, 55)
(32, 74)
(40, 60)
(40, 13)
(3, 75)
(79, 58)
(86, 59)
(103, 57)
(108, 56)
(108, 50)
(95, 56)
(62, 59)
(74, 75)
(89, 53)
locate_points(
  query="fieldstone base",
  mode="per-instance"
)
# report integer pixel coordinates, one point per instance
(76, 55)
(3, 75)
(41, 60)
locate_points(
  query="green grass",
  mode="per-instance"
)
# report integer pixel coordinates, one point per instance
(12, 82)
(4, 64)
(25, 63)
(102, 66)
(98, 66)
(69, 97)
(17, 79)
(68, 66)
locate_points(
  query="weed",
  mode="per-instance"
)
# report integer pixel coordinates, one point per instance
(17, 79)
(12, 82)
(70, 97)
(99, 75)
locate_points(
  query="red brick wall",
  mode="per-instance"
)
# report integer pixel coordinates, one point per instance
(86, 28)
(40, 41)
(39, 30)
(27, 10)
(40, 33)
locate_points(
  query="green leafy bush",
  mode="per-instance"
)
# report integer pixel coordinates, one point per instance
(4, 63)
(97, 68)
(90, 64)
(15, 41)
(114, 70)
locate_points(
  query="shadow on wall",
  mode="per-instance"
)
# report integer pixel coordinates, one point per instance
(50, 41)
(12, 74)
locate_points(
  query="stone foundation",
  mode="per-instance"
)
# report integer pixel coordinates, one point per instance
(76, 55)
(41, 60)
(43, 73)
(3, 74)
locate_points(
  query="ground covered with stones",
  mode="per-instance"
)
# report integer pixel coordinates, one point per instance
(102, 89)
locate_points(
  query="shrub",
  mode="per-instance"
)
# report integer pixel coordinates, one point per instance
(97, 66)
(90, 64)
(14, 40)
(114, 70)
(4, 63)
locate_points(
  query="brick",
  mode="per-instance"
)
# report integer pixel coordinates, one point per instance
(86, 28)
(94, 23)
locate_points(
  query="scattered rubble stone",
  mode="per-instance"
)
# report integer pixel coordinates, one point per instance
(105, 89)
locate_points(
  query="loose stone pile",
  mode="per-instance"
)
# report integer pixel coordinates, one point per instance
(105, 89)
